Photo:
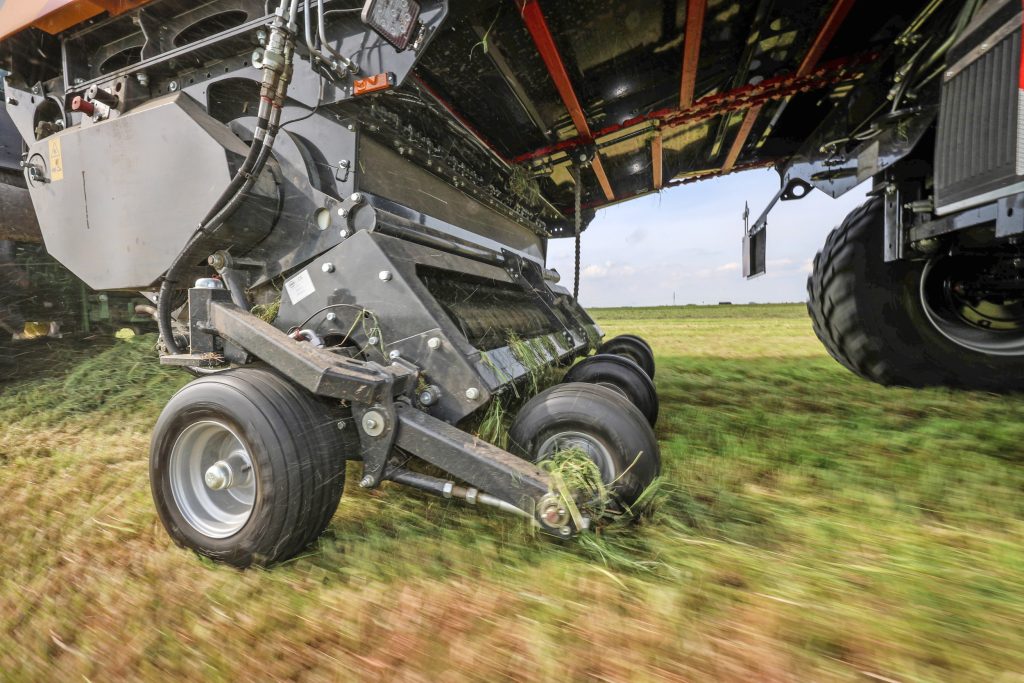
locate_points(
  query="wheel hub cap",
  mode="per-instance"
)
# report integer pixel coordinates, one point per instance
(211, 479)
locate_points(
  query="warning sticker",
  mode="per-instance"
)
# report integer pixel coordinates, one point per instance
(299, 287)
(56, 161)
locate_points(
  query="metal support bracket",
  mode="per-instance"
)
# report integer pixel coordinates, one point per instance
(321, 372)
(377, 429)
(482, 465)
(755, 237)
(894, 232)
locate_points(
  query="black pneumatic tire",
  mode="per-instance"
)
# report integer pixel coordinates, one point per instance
(621, 374)
(634, 459)
(296, 453)
(633, 348)
(870, 317)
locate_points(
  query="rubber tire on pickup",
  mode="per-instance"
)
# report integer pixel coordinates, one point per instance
(298, 461)
(621, 374)
(603, 415)
(633, 348)
(870, 317)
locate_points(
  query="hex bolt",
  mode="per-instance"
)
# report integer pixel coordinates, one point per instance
(429, 396)
(173, 86)
(342, 212)
(217, 260)
(434, 343)
(472, 393)
(331, 317)
(356, 198)
(366, 482)
(327, 267)
(565, 531)
(370, 423)
(395, 354)
(372, 341)
(341, 425)
(384, 275)
(343, 234)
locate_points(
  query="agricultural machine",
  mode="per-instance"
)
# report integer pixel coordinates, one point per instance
(341, 210)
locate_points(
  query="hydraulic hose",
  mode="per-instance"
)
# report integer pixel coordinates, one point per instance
(322, 32)
(275, 85)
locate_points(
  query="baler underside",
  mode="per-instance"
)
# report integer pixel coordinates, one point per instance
(381, 181)
(400, 289)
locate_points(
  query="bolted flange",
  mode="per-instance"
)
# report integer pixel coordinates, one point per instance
(373, 423)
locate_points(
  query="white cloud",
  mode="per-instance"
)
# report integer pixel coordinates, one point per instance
(607, 269)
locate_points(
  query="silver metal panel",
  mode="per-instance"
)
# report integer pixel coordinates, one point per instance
(130, 191)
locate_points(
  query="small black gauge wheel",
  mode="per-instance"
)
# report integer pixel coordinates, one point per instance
(621, 374)
(633, 348)
(597, 421)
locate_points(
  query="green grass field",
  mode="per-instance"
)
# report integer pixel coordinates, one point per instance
(810, 526)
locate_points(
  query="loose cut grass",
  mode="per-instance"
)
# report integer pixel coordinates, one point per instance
(807, 526)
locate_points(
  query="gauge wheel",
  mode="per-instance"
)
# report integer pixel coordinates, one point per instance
(246, 468)
(599, 422)
(954, 320)
(633, 348)
(622, 375)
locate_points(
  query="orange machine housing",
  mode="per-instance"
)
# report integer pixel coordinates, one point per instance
(54, 16)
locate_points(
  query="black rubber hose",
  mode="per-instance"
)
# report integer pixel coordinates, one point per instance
(228, 202)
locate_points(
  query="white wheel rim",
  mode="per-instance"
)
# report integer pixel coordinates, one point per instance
(212, 479)
(573, 440)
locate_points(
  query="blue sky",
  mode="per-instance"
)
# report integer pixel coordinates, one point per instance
(687, 240)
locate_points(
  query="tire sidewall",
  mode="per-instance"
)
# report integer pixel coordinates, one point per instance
(623, 373)
(606, 417)
(213, 401)
(889, 300)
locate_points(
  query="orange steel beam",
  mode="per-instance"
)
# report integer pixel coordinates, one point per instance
(826, 33)
(545, 42)
(656, 161)
(691, 50)
(54, 16)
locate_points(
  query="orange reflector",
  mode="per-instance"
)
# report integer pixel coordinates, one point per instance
(376, 83)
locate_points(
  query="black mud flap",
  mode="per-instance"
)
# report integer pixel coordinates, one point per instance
(753, 253)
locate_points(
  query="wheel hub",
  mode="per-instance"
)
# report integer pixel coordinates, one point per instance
(580, 442)
(224, 474)
(976, 303)
(211, 479)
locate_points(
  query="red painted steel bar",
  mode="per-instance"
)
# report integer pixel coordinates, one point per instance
(821, 42)
(776, 88)
(545, 42)
(691, 50)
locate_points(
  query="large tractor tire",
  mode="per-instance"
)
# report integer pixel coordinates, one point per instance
(934, 322)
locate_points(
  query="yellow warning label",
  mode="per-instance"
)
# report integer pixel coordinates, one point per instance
(56, 162)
